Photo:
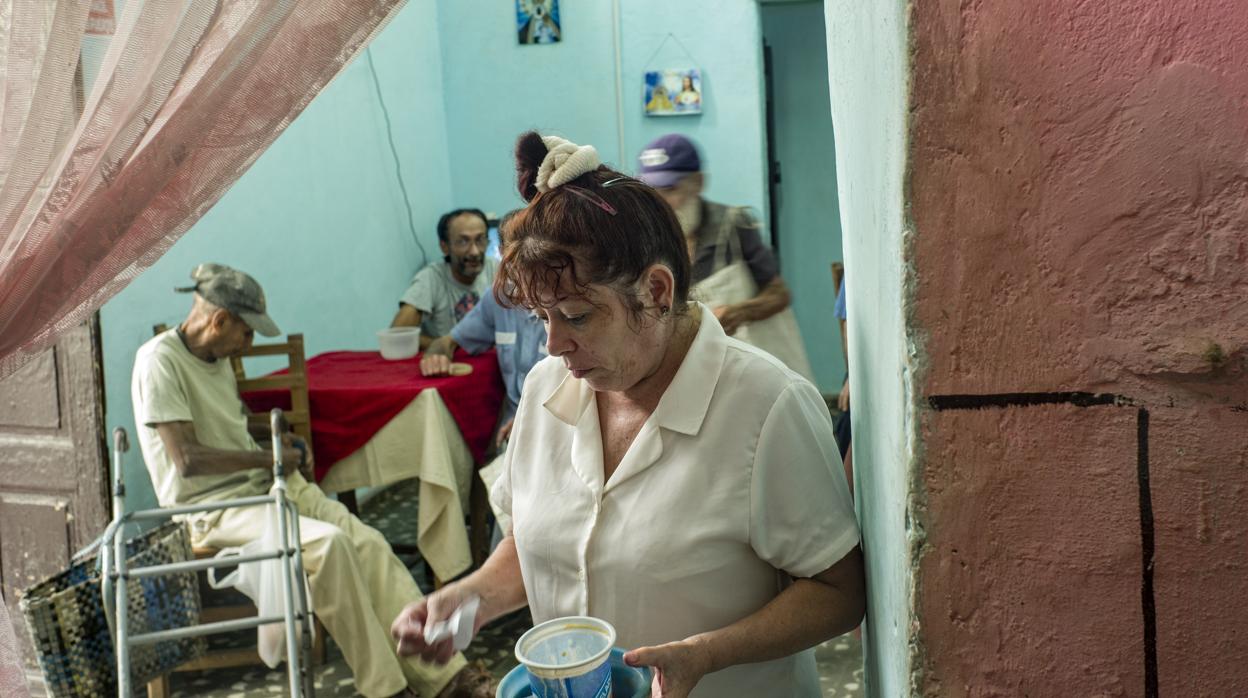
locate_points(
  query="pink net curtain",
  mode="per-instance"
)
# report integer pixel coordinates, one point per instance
(189, 94)
(95, 187)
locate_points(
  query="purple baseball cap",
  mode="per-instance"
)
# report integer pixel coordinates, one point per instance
(668, 159)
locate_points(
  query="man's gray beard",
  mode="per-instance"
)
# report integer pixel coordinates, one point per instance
(690, 216)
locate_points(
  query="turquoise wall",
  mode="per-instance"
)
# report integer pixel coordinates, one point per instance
(496, 88)
(724, 39)
(807, 215)
(318, 220)
(868, 82)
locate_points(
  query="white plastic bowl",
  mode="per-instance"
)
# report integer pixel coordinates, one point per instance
(399, 342)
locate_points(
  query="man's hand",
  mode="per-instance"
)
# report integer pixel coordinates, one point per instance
(307, 467)
(298, 451)
(842, 400)
(731, 317)
(436, 361)
(504, 432)
(678, 667)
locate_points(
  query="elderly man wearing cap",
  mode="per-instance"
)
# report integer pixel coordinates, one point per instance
(717, 235)
(195, 441)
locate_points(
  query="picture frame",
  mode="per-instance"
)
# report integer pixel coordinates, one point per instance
(538, 22)
(673, 92)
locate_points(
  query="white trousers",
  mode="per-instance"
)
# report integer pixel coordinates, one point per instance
(358, 587)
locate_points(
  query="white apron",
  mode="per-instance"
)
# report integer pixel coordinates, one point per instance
(732, 283)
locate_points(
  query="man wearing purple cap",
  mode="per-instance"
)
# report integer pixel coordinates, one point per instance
(717, 235)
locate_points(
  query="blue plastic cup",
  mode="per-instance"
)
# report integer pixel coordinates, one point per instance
(567, 657)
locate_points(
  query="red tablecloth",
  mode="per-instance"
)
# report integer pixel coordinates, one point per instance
(353, 394)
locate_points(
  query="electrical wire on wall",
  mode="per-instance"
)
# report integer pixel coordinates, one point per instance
(398, 168)
(619, 79)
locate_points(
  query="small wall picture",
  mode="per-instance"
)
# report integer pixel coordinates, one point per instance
(673, 92)
(537, 21)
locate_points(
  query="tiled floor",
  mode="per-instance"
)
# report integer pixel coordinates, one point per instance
(392, 512)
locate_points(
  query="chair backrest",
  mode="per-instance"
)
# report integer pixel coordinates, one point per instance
(295, 379)
(299, 416)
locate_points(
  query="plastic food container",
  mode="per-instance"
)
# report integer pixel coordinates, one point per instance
(568, 657)
(399, 342)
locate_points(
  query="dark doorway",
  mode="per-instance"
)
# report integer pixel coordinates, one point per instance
(801, 152)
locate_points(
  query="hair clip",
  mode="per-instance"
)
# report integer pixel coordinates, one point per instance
(617, 180)
(591, 198)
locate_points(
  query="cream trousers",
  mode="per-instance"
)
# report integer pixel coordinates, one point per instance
(358, 587)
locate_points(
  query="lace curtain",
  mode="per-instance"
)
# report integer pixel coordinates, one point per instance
(95, 187)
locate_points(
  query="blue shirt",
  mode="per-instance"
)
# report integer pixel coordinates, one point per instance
(839, 310)
(518, 335)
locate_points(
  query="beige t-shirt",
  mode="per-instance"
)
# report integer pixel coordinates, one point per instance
(170, 384)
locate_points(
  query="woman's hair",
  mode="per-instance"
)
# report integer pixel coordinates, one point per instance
(600, 228)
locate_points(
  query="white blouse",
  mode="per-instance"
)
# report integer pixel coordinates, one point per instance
(733, 484)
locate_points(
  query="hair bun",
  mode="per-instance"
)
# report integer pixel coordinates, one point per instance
(564, 162)
(530, 152)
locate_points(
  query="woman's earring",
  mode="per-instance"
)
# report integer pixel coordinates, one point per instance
(664, 310)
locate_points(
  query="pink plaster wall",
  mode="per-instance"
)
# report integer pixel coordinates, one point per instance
(1079, 195)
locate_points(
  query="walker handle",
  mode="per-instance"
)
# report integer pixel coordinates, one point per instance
(121, 443)
(278, 425)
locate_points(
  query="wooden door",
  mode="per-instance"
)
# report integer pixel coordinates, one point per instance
(53, 466)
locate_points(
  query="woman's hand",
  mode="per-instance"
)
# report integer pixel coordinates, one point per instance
(435, 364)
(678, 667)
(408, 629)
(436, 359)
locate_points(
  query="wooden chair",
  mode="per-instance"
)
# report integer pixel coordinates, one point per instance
(299, 416)
(300, 419)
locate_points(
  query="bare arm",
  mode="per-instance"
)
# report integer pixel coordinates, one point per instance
(192, 458)
(770, 300)
(808, 612)
(844, 344)
(409, 316)
(842, 399)
(259, 432)
(437, 358)
(498, 584)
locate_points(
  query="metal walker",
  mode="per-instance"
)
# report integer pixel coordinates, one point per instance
(116, 575)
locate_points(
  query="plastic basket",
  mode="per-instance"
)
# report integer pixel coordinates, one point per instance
(65, 616)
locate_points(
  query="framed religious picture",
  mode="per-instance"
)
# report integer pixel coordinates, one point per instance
(537, 21)
(673, 92)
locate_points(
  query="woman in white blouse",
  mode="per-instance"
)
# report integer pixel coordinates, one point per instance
(678, 483)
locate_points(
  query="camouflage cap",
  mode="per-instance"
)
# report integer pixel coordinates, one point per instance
(234, 291)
